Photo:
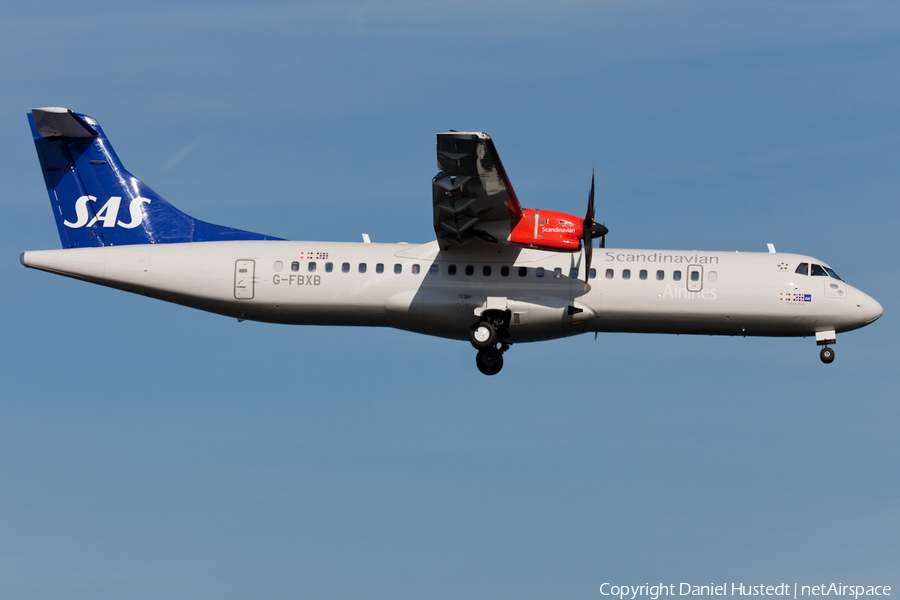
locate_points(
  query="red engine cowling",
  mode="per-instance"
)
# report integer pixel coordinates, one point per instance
(548, 230)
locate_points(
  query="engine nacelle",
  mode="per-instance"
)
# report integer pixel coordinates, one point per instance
(548, 230)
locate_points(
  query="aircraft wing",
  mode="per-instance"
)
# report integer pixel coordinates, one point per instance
(473, 199)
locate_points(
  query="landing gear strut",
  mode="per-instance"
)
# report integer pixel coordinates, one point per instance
(486, 335)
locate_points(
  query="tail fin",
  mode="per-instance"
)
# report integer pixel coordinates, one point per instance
(97, 202)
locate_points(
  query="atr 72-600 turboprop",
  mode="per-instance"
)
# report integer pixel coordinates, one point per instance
(497, 274)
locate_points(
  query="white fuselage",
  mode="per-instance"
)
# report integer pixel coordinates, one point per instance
(323, 283)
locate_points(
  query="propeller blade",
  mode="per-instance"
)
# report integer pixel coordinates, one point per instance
(590, 211)
(588, 251)
(586, 237)
(591, 230)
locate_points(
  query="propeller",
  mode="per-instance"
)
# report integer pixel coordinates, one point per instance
(592, 230)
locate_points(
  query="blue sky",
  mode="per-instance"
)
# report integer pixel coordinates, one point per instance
(151, 451)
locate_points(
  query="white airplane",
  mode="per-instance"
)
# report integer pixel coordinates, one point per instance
(496, 275)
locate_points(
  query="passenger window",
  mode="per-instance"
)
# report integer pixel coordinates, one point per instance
(609, 273)
(278, 266)
(523, 271)
(676, 275)
(451, 269)
(415, 269)
(557, 272)
(470, 269)
(329, 267)
(379, 267)
(311, 267)
(713, 275)
(345, 268)
(626, 274)
(593, 274)
(434, 269)
(802, 269)
(504, 271)
(539, 271)
(643, 274)
(295, 266)
(573, 273)
(398, 268)
(486, 271)
(695, 275)
(817, 271)
(362, 267)
(660, 275)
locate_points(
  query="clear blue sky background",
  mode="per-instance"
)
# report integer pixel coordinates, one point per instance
(151, 451)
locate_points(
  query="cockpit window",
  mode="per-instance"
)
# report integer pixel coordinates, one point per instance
(831, 272)
(816, 270)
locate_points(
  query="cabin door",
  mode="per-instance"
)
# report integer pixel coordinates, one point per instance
(243, 279)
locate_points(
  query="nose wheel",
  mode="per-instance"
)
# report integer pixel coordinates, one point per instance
(823, 338)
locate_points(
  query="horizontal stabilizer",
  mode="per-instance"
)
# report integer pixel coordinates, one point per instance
(61, 122)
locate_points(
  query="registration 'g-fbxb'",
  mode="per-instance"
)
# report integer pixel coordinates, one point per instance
(497, 274)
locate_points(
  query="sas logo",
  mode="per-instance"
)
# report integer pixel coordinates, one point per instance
(789, 297)
(108, 214)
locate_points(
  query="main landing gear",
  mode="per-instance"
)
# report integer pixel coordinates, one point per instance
(489, 336)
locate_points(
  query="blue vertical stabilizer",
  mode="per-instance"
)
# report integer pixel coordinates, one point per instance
(96, 202)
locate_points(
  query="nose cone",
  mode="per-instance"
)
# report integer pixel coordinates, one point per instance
(859, 312)
(871, 309)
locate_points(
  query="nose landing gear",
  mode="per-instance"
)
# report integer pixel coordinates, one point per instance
(823, 338)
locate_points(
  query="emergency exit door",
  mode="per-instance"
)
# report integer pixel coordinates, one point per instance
(695, 278)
